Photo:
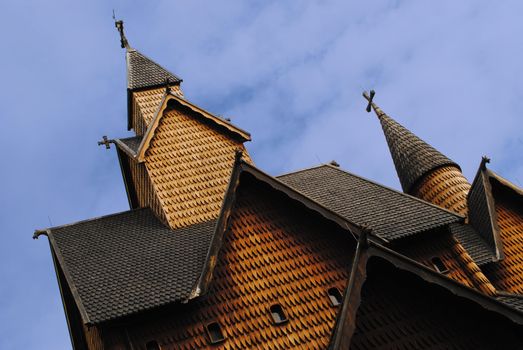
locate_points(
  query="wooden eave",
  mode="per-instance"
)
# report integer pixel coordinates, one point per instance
(149, 134)
(344, 329)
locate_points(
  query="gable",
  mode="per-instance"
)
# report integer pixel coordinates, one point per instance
(275, 251)
(401, 310)
(189, 164)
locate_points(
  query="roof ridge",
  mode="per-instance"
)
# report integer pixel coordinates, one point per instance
(301, 170)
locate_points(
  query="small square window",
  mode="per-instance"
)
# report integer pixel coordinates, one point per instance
(439, 265)
(214, 332)
(335, 296)
(278, 316)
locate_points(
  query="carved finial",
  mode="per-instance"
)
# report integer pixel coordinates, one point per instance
(119, 26)
(167, 86)
(105, 141)
(334, 163)
(364, 236)
(484, 161)
(238, 154)
(369, 98)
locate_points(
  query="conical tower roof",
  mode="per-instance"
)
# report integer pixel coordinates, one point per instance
(413, 157)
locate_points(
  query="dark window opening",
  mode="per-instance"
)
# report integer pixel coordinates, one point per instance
(214, 331)
(335, 296)
(152, 345)
(439, 265)
(278, 316)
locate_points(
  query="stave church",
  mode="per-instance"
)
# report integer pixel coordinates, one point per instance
(214, 253)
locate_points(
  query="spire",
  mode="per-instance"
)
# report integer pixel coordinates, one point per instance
(413, 157)
(142, 72)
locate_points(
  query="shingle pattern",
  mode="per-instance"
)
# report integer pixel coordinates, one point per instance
(274, 252)
(149, 100)
(129, 262)
(133, 143)
(479, 213)
(442, 244)
(389, 213)
(190, 163)
(445, 187)
(515, 302)
(143, 72)
(473, 243)
(413, 157)
(399, 310)
(507, 274)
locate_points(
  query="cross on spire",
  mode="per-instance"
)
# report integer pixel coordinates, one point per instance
(105, 141)
(369, 98)
(119, 26)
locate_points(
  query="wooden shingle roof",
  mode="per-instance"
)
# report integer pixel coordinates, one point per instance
(413, 157)
(142, 72)
(389, 213)
(129, 262)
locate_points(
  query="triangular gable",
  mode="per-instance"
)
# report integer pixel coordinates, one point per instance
(241, 167)
(424, 280)
(482, 212)
(171, 98)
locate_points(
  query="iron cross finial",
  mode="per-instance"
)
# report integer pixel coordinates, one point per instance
(370, 98)
(119, 26)
(105, 141)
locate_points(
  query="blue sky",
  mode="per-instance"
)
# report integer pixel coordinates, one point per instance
(290, 72)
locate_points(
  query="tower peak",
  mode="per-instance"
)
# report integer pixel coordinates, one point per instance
(413, 157)
(119, 26)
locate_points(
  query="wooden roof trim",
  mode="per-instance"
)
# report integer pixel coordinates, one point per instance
(234, 129)
(146, 141)
(125, 148)
(482, 176)
(303, 199)
(205, 279)
(351, 297)
(429, 275)
(149, 134)
(68, 277)
(491, 174)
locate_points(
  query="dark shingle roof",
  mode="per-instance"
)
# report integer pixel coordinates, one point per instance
(129, 262)
(476, 246)
(143, 72)
(412, 156)
(481, 212)
(389, 213)
(132, 144)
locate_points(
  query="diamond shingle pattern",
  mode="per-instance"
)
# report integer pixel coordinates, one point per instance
(389, 213)
(274, 252)
(413, 157)
(129, 262)
(507, 274)
(190, 164)
(143, 72)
